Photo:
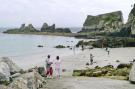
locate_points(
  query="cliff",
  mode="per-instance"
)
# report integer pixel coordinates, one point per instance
(109, 22)
(131, 21)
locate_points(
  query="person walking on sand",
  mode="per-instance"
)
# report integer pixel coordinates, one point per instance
(49, 69)
(57, 66)
(91, 59)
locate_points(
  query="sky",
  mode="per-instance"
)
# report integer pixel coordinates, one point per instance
(64, 13)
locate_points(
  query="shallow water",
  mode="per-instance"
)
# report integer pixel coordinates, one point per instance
(20, 47)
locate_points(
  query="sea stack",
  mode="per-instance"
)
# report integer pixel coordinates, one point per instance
(47, 28)
(44, 27)
(109, 22)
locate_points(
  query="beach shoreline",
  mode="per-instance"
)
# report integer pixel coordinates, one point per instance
(79, 59)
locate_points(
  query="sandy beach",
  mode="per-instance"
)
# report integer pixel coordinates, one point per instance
(79, 59)
(101, 58)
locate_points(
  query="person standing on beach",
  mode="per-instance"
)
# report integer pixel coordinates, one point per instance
(82, 47)
(91, 59)
(108, 52)
(49, 69)
(57, 66)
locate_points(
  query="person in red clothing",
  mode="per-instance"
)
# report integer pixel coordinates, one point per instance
(49, 69)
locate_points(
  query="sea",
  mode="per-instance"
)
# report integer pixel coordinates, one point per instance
(23, 49)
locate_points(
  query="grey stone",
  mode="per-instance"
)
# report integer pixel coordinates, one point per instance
(132, 74)
(13, 67)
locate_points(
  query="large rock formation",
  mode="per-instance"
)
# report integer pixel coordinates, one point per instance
(47, 28)
(28, 28)
(23, 28)
(132, 74)
(44, 27)
(131, 21)
(52, 29)
(109, 22)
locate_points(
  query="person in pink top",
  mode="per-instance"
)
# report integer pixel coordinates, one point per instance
(58, 66)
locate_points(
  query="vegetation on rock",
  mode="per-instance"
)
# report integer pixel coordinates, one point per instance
(105, 71)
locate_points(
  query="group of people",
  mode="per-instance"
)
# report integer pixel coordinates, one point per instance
(49, 63)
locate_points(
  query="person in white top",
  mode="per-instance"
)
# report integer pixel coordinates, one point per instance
(49, 69)
(58, 66)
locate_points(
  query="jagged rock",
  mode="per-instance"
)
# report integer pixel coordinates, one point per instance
(131, 20)
(132, 74)
(22, 27)
(109, 22)
(4, 72)
(6, 68)
(29, 28)
(46, 28)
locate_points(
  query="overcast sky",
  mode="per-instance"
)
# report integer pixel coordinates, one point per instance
(64, 13)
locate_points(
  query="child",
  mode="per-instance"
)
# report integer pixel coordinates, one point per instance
(57, 66)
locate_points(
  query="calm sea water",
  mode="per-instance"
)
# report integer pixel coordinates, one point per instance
(22, 48)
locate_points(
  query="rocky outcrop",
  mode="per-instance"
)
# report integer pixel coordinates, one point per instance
(132, 74)
(47, 28)
(6, 68)
(23, 28)
(109, 22)
(52, 29)
(131, 21)
(13, 67)
(44, 27)
(4, 72)
(28, 28)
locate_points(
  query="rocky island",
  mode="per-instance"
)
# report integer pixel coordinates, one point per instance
(45, 30)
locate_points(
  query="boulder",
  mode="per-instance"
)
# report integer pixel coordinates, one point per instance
(13, 67)
(109, 22)
(4, 71)
(7, 67)
(132, 74)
